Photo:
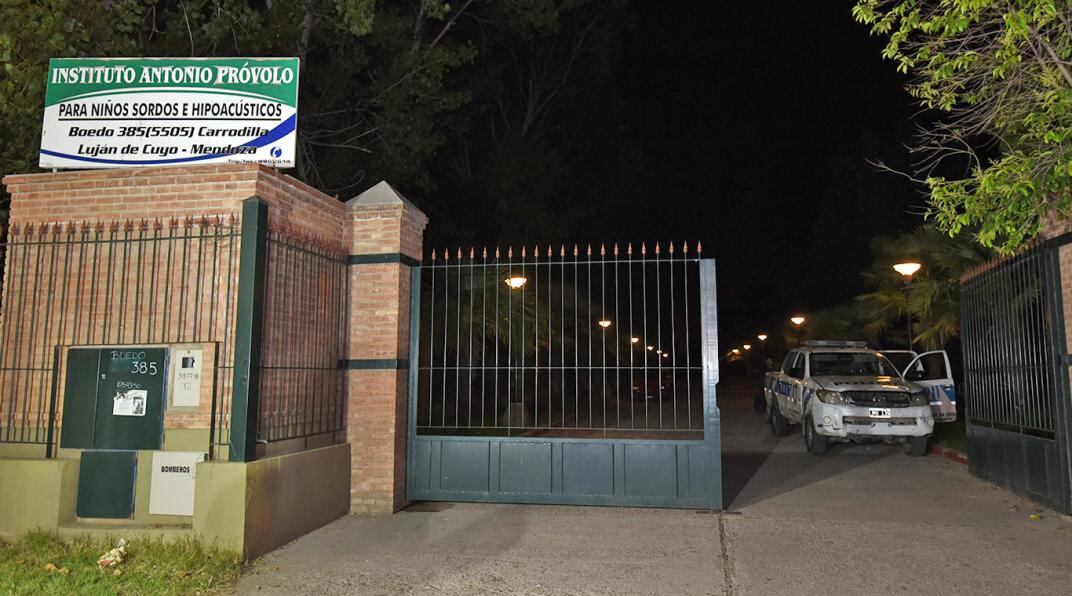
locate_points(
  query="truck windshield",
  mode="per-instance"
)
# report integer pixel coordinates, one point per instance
(850, 364)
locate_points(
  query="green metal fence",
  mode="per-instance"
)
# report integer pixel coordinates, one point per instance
(577, 376)
(302, 381)
(271, 304)
(122, 282)
(1016, 375)
(581, 344)
(291, 331)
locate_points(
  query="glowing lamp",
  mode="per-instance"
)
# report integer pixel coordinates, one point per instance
(907, 269)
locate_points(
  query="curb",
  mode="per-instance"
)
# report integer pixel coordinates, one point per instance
(951, 454)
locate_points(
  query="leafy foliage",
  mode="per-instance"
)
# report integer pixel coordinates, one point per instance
(1000, 73)
(932, 300)
(32, 32)
(489, 110)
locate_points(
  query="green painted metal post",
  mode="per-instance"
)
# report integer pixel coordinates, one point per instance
(252, 263)
(1051, 283)
(414, 372)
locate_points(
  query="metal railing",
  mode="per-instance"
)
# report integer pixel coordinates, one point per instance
(561, 343)
(1011, 356)
(123, 282)
(304, 335)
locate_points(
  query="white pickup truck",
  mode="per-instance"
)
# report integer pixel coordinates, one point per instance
(843, 391)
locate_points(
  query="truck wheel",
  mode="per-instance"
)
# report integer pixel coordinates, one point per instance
(779, 426)
(916, 446)
(817, 444)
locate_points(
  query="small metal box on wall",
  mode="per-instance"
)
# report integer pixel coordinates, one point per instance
(187, 372)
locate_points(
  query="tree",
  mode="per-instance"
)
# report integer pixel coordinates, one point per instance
(933, 299)
(375, 79)
(32, 32)
(489, 112)
(998, 160)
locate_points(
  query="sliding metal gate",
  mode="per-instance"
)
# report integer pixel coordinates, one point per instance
(565, 376)
(1016, 375)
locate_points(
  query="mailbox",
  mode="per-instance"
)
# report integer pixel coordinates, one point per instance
(113, 405)
(114, 398)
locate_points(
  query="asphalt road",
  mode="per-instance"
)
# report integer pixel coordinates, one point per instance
(862, 519)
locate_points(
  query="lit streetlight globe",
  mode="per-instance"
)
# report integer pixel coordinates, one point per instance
(516, 282)
(907, 269)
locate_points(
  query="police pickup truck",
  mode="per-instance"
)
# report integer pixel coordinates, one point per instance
(840, 391)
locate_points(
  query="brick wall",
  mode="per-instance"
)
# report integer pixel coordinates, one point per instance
(92, 262)
(180, 201)
(169, 192)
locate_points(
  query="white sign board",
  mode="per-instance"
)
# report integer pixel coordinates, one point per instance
(171, 490)
(186, 381)
(129, 112)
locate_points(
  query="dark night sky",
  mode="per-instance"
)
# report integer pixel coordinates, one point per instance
(758, 119)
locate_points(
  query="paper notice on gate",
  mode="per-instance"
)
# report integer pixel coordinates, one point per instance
(130, 403)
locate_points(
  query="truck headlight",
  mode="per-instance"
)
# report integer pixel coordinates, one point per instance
(831, 397)
(920, 398)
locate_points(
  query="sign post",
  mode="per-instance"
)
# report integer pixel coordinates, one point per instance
(130, 112)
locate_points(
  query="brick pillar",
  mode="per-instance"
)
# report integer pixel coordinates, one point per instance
(386, 233)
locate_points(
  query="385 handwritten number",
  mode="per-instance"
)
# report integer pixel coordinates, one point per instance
(143, 368)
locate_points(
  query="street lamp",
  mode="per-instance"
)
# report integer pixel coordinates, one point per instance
(747, 346)
(634, 339)
(604, 323)
(907, 269)
(516, 283)
(797, 321)
(762, 337)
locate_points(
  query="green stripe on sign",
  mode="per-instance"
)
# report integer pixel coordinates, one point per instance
(276, 78)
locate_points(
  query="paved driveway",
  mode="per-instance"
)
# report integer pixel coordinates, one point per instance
(863, 519)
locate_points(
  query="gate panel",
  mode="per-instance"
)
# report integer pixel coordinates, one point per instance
(1016, 375)
(571, 379)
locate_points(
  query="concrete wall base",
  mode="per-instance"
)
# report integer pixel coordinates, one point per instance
(250, 508)
(36, 493)
(256, 507)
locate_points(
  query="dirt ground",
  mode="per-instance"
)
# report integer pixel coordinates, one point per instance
(862, 519)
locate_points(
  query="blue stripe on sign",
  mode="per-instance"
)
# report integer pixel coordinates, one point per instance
(285, 127)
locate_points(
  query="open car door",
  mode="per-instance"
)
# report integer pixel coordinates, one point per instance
(899, 358)
(931, 370)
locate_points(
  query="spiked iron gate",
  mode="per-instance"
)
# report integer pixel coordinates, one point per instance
(1016, 375)
(565, 377)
